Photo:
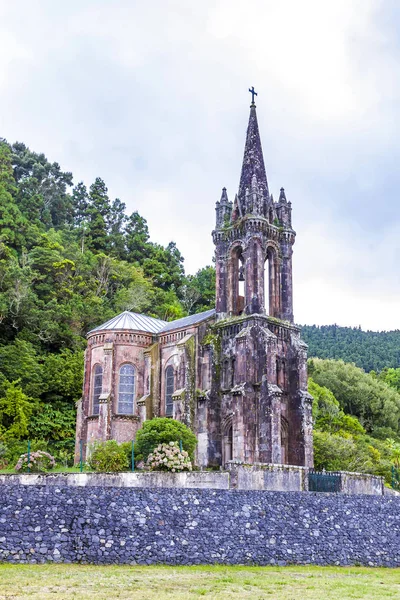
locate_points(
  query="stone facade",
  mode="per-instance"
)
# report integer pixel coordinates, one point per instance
(236, 375)
(104, 525)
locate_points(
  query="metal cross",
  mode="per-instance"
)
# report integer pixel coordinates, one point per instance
(253, 93)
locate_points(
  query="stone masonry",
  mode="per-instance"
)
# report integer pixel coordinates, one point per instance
(182, 527)
(236, 375)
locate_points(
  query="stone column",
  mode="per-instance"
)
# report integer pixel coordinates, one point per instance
(254, 284)
(286, 281)
(105, 400)
(221, 281)
(271, 310)
(104, 418)
(277, 286)
(276, 443)
(142, 409)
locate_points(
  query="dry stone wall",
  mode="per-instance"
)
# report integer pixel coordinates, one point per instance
(181, 526)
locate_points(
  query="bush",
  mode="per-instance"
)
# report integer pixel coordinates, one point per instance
(162, 430)
(168, 457)
(108, 456)
(39, 462)
(3, 455)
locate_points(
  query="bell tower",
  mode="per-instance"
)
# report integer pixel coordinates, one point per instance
(253, 241)
(259, 393)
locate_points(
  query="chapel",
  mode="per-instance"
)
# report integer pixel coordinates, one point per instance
(236, 374)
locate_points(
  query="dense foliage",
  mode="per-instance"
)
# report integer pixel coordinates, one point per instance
(370, 350)
(70, 258)
(108, 457)
(356, 419)
(162, 430)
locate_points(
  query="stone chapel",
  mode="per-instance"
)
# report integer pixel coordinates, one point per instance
(236, 375)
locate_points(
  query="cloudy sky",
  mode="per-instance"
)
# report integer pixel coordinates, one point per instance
(152, 96)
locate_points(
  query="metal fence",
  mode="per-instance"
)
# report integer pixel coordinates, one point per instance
(321, 481)
(395, 478)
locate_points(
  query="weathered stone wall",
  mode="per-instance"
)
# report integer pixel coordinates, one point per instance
(154, 479)
(275, 478)
(119, 525)
(292, 478)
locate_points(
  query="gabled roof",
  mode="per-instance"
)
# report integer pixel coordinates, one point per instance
(130, 320)
(187, 321)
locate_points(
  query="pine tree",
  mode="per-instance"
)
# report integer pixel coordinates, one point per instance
(99, 211)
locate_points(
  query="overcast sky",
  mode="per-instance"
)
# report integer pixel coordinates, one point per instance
(152, 97)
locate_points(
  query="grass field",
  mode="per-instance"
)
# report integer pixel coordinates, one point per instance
(42, 582)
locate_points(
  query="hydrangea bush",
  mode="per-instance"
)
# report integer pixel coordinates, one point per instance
(168, 457)
(39, 462)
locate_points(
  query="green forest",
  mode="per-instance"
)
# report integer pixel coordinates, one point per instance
(71, 257)
(370, 350)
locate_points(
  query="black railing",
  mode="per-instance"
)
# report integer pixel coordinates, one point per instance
(321, 481)
(395, 478)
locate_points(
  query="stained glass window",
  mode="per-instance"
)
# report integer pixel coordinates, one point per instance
(169, 390)
(97, 386)
(126, 390)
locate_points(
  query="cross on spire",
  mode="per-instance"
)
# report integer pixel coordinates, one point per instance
(253, 93)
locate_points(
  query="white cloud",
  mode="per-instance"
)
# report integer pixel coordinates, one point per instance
(153, 98)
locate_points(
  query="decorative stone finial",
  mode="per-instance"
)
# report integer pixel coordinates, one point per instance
(282, 195)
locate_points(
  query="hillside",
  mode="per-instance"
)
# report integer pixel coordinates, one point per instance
(70, 258)
(369, 350)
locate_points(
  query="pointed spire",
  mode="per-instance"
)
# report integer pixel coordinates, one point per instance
(253, 161)
(282, 195)
(224, 196)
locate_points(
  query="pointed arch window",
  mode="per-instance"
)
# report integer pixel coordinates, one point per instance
(126, 389)
(169, 390)
(97, 387)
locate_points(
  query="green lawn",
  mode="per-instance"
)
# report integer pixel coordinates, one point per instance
(42, 582)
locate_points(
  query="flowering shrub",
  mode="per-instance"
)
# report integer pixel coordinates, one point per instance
(39, 462)
(108, 456)
(168, 457)
(162, 430)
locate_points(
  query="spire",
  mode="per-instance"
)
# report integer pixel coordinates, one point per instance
(224, 196)
(253, 161)
(282, 195)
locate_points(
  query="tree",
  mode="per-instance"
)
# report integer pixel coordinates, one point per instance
(327, 413)
(42, 187)
(15, 410)
(99, 212)
(370, 350)
(373, 402)
(116, 223)
(137, 238)
(198, 291)
(13, 224)
(391, 377)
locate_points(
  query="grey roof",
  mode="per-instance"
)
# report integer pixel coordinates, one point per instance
(187, 321)
(130, 320)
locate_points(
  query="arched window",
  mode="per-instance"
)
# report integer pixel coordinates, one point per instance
(169, 390)
(126, 390)
(97, 386)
